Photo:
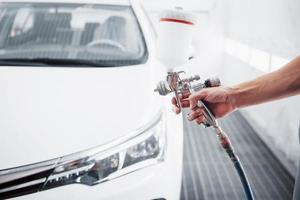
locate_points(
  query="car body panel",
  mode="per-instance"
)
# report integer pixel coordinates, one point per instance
(59, 111)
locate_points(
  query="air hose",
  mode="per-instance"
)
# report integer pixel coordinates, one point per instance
(227, 146)
(239, 168)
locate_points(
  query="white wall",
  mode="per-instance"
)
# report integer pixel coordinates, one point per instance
(270, 25)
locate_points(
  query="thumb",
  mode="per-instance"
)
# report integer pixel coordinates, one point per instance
(194, 98)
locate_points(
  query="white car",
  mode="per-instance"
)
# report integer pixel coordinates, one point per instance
(78, 115)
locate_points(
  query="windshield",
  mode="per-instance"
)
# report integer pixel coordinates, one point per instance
(104, 34)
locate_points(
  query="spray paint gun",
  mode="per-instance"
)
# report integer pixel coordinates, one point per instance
(175, 35)
(175, 83)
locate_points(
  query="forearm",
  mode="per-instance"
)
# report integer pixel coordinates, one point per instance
(278, 84)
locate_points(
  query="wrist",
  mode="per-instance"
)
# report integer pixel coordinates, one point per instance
(234, 97)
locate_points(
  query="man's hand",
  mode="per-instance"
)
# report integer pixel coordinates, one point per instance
(220, 101)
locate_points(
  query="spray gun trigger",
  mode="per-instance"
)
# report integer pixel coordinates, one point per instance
(210, 119)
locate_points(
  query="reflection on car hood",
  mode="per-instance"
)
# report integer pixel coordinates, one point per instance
(51, 112)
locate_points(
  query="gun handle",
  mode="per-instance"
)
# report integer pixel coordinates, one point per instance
(209, 117)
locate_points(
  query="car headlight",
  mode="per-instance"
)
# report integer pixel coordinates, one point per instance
(143, 148)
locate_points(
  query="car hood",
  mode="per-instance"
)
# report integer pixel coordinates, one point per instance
(51, 112)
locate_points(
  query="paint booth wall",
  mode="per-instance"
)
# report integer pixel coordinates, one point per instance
(249, 38)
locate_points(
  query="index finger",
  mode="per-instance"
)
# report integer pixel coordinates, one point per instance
(181, 97)
(184, 95)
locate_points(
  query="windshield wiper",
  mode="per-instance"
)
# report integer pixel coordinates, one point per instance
(53, 62)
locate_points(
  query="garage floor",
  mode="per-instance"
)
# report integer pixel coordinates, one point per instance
(208, 174)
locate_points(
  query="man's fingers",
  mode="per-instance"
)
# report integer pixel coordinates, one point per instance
(195, 114)
(184, 102)
(176, 109)
(181, 97)
(194, 98)
(174, 101)
(200, 119)
(184, 95)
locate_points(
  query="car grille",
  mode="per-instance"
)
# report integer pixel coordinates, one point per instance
(24, 180)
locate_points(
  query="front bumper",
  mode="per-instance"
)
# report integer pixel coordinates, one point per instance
(149, 183)
(160, 181)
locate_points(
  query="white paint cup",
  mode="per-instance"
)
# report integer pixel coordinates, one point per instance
(176, 30)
